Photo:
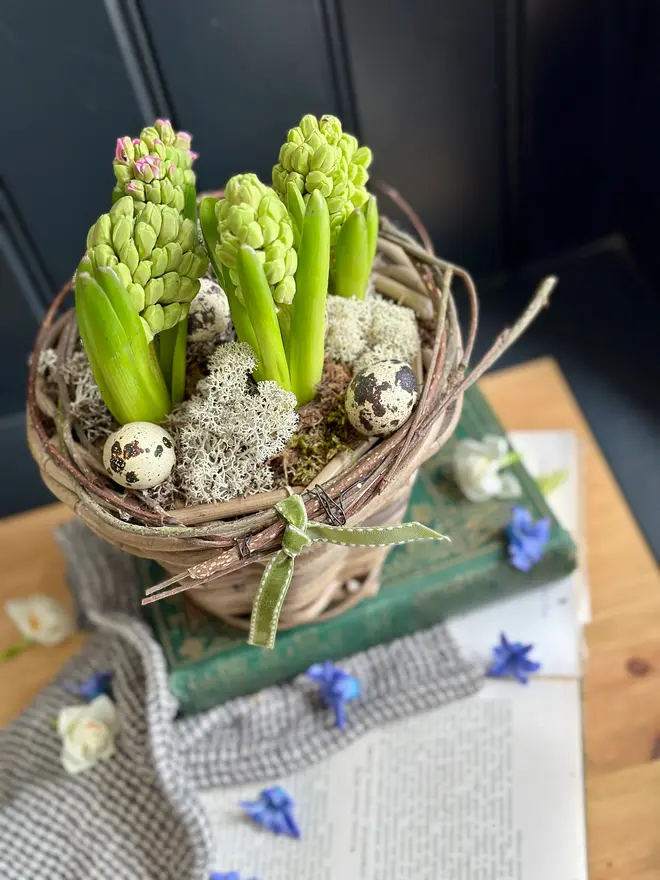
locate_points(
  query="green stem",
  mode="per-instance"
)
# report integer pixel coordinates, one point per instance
(178, 384)
(190, 203)
(166, 341)
(352, 266)
(15, 649)
(263, 316)
(307, 340)
(372, 229)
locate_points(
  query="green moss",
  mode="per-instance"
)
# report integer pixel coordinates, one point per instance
(318, 446)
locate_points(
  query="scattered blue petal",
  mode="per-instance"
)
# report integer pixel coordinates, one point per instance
(527, 539)
(97, 684)
(274, 810)
(510, 660)
(226, 875)
(336, 688)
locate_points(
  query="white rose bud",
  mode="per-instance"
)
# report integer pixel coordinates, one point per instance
(40, 619)
(88, 733)
(478, 468)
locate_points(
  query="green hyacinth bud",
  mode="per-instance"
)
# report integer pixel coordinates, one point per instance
(154, 253)
(252, 214)
(154, 317)
(319, 156)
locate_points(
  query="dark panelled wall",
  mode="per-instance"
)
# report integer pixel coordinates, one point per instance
(501, 121)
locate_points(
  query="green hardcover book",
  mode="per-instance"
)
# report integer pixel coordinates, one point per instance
(422, 584)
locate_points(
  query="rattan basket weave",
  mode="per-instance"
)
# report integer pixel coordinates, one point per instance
(220, 550)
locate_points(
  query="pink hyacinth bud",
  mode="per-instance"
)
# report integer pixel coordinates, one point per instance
(136, 140)
(184, 136)
(121, 150)
(193, 155)
(163, 122)
(130, 187)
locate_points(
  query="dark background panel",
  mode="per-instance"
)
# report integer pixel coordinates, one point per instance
(239, 75)
(65, 96)
(18, 325)
(21, 486)
(430, 93)
(640, 181)
(575, 61)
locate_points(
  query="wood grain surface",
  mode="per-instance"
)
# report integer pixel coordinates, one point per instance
(622, 684)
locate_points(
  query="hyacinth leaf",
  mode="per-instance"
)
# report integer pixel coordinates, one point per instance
(371, 214)
(306, 343)
(84, 313)
(111, 357)
(239, 314)
(296, 206)
(129, 319)
(352, 266)
(284, 320)
(263, 316)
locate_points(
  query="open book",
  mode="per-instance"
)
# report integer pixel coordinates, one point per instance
(490, 788)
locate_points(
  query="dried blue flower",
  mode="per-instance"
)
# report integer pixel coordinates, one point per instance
(97, 684)
(510, 660)
(336, 688)
(527, 539)
(274, 810)
(229, 875)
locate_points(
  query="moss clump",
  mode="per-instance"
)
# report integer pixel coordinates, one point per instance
(361, 332)
(229, 429)
(324, 430)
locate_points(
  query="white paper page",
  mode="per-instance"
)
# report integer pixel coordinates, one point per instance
(539, 449)
(548, 617)
(489, 788)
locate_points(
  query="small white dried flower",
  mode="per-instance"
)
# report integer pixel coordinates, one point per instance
(88, 733)
(40, 619)
(478, 469)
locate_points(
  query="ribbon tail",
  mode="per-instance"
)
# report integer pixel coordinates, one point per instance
(373, 536)
(268, 601)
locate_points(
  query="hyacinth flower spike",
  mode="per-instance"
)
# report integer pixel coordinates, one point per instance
(137, 279)
(254, 244)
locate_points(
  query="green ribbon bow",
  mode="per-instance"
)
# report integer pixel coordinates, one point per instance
(300, 533)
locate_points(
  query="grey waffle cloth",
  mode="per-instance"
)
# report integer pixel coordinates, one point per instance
(137, 816)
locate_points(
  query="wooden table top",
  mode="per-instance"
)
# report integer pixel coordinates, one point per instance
(622, 684)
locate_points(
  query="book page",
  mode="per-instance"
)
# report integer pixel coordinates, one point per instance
(489, 788)
(550, 617)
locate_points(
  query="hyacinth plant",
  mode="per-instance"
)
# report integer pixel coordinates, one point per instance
(278, 251)
(133, 292)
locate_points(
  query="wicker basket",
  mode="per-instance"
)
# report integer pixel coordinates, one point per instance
(220, 550)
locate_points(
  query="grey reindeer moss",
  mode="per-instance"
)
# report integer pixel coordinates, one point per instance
(362, 332)
(229, 428)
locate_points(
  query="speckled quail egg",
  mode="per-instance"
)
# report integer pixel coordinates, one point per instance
(381, 397)
(209, 312)
(140, 455)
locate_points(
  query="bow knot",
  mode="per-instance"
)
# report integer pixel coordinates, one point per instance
(295, 537)
(298, 535)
